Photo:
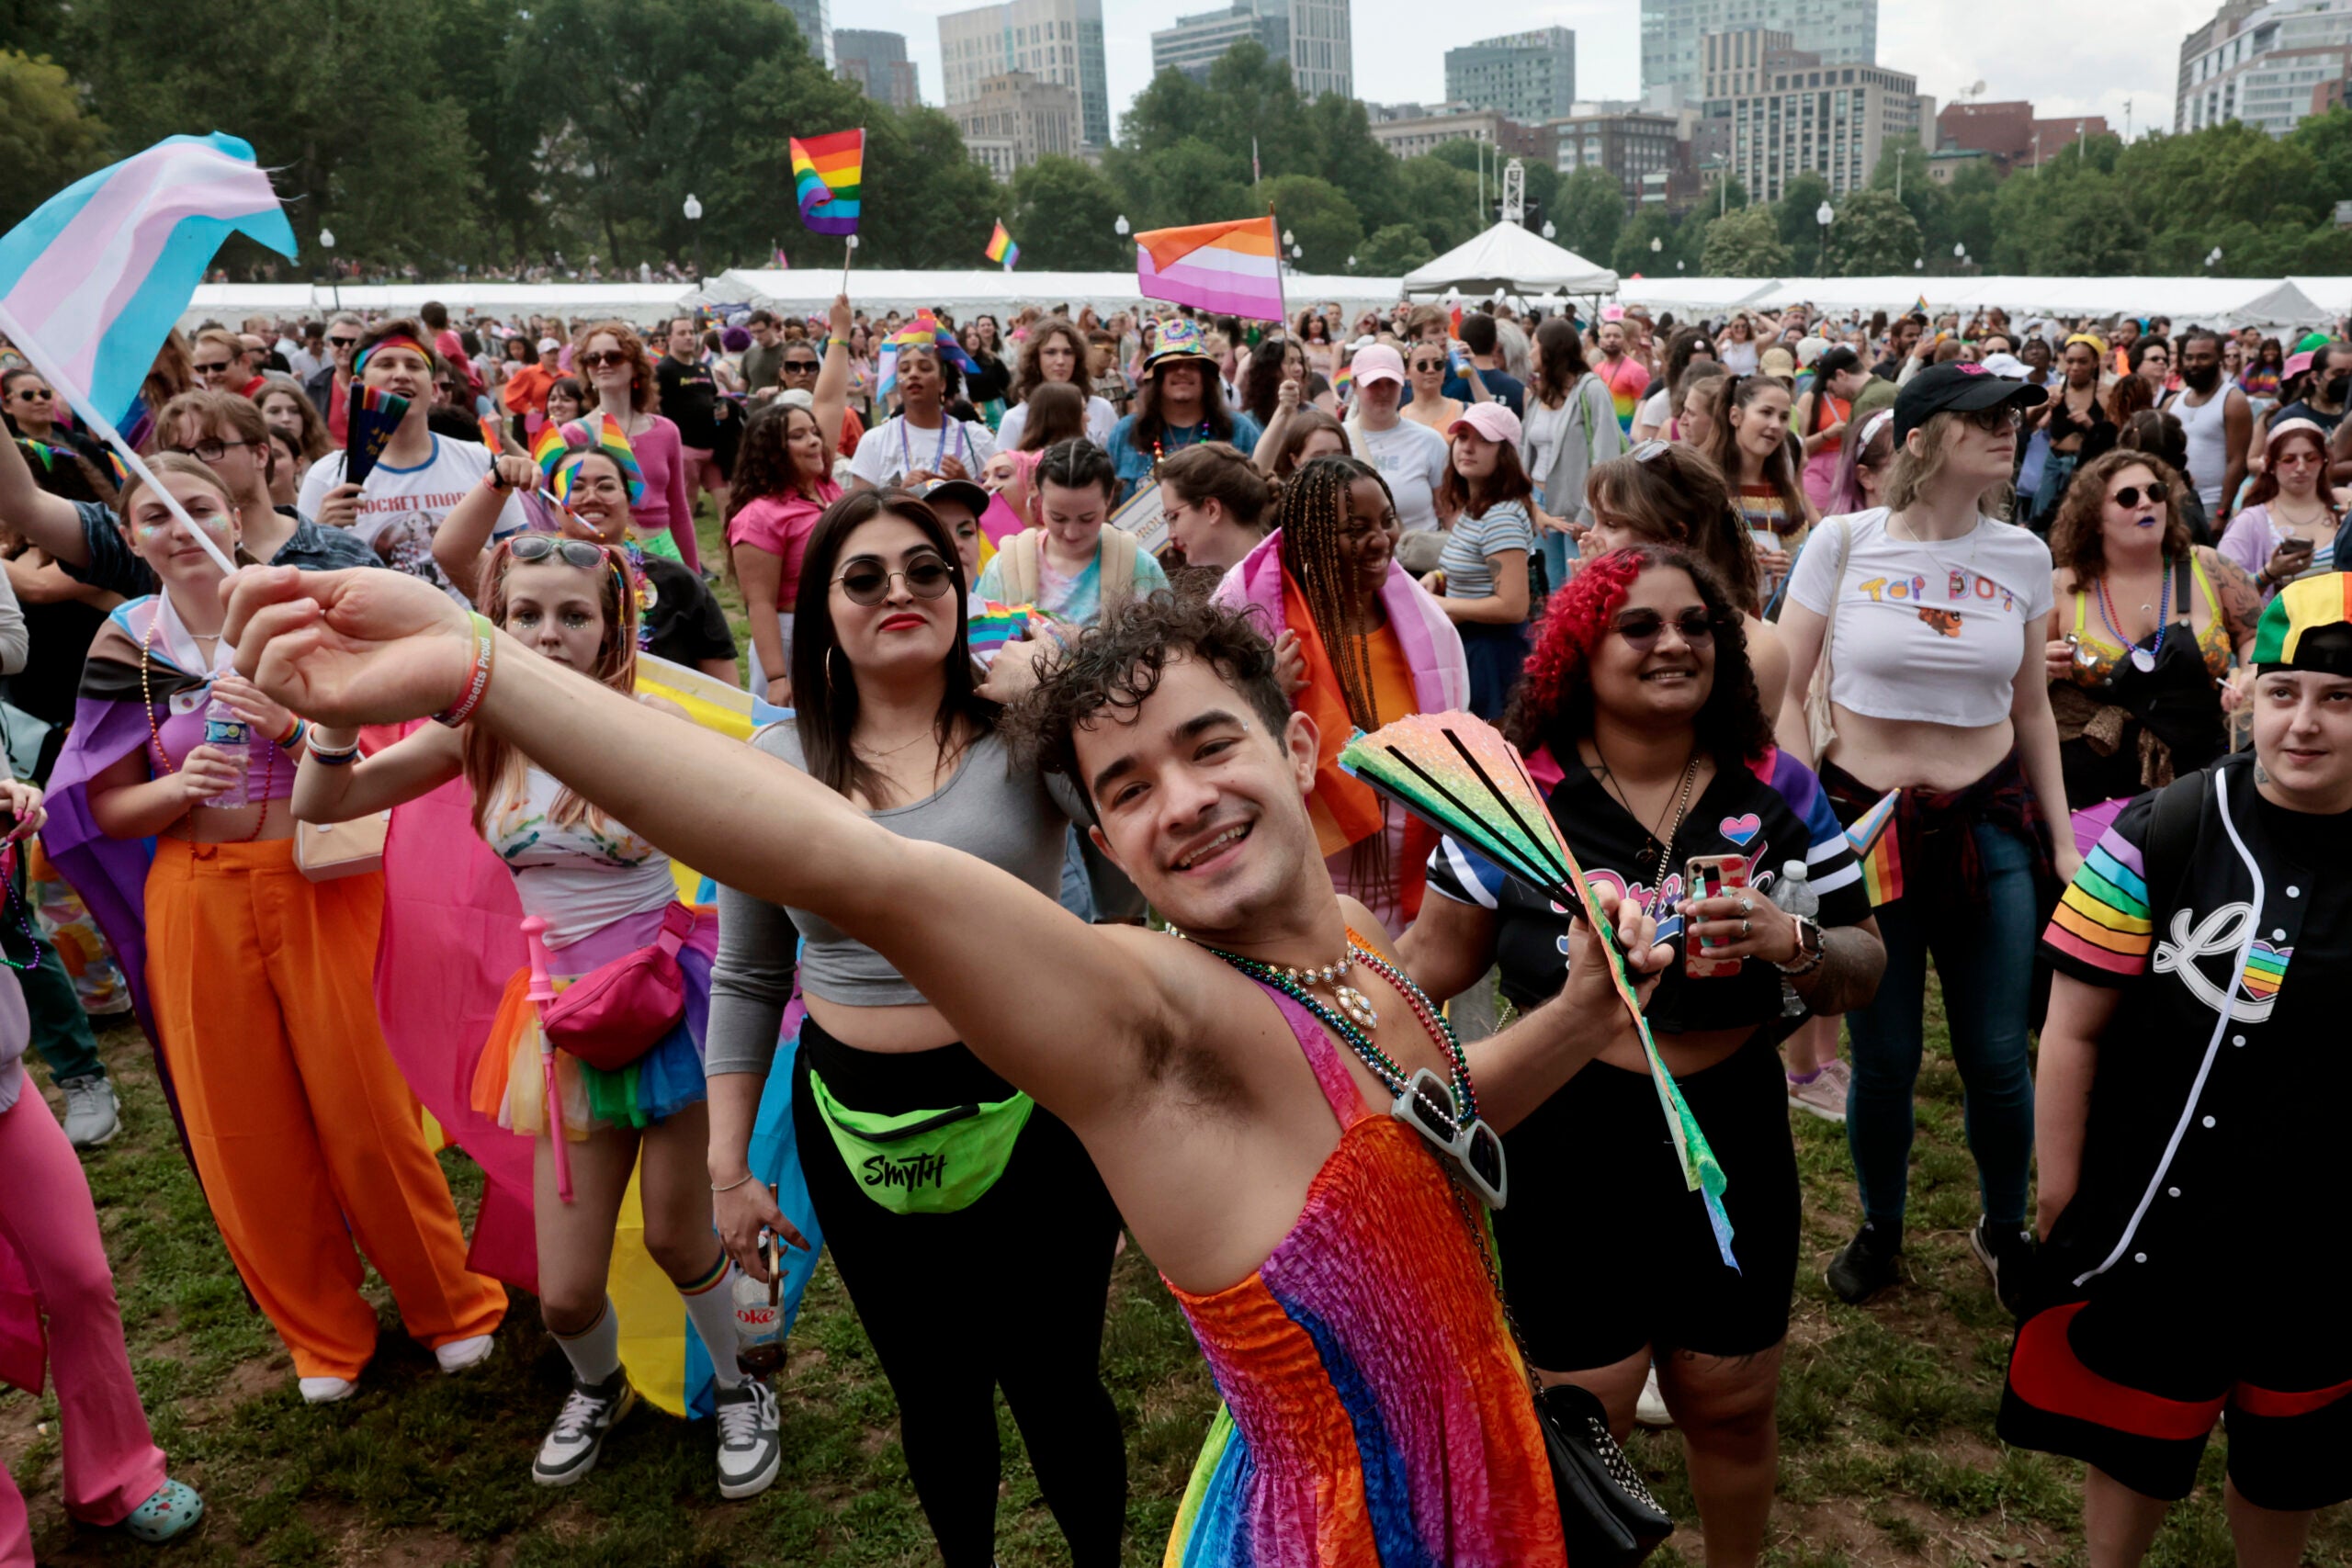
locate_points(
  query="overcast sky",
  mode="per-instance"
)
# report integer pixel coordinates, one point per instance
(2067, 56)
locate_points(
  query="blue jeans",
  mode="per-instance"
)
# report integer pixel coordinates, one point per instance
(1559, 556)
(1985, 958)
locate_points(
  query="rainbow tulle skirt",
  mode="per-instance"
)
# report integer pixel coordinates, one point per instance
(508, 1082)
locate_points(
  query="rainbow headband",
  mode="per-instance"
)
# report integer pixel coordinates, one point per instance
(400, 340)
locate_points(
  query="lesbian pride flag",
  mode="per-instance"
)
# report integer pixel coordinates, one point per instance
(826, 174)
(1002, 248)
(93, 279)
(1229, 269)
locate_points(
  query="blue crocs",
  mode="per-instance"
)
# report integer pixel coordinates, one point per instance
(173, 1509)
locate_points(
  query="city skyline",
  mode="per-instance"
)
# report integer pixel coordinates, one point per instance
(2010, 45)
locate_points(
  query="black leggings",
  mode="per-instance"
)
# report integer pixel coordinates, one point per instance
(1009, 1293)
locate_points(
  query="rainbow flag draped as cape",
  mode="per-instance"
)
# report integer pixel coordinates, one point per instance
(1002, 249)
(827, 172)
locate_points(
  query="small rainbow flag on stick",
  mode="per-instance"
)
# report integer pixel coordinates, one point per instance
(549, 446)
(1875, 845)
(614, 441)
(826, 174)
(1232, 269)
(1002, 249)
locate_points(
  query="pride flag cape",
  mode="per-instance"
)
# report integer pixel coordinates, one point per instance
(827, 172)
(1233, 269)
(92, 282)
(1001, 248)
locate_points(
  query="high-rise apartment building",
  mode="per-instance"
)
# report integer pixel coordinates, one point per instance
(1312, 35)
(1842, 32)
(877, 62)
(1529, 78)
(2269, 65)
(1782, 111)
(815, 26)
(1017, 120)
(1054, 40)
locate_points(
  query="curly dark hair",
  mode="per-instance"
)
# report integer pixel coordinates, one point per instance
(1117, 662)
(1553, 705)
(2078, 533)
(763, 463)
(1262, 384)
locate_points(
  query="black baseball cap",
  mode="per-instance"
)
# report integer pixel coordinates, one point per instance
(1957, 387)
(964, 493)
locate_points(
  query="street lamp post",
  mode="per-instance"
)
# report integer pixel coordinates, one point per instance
(694, 217)
(1551, 230)
(1825, 214)
(335, 279)
(1959, 254)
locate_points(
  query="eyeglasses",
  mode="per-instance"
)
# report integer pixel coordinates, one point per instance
(603, 357)
(1994, 420)
(867, 582)
(2128, 496)
(1642, 629)
(35, 395)
(534, 547)
(1428, 366)
(210, 367)
(343, 343)
(209, 451)
(801, 367)
(1425, 1104)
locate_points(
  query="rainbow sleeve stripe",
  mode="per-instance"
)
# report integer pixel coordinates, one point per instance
(2103, 919)
(827, 173)
(1002, 249)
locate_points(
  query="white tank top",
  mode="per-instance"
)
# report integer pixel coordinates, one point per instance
(2209, 445)
(578, 878)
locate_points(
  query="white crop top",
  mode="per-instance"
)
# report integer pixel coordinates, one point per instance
(579, 878)
(1926, 632)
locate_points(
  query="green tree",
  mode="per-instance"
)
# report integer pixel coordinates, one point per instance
(1632, 253)
(1256, 105)
(1190, 182)
(1589, 212)
(1321, 217)
(1874, 234)
(1171, 107)
(46, 141)
(1346, 154)
(1440, 200)
(1795, 215)
(1064, 212)
(1393, 252)
(1745, 244)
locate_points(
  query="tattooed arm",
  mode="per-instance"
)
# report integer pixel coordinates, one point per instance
(2241, 601)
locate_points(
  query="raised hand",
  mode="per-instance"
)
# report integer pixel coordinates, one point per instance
(349, 648)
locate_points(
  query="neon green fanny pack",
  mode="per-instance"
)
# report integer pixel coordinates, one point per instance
(925, 1162)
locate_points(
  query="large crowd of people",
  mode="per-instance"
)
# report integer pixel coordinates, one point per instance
(1841, 649)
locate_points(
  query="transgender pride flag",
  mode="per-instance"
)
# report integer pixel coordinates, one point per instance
(92, 282)
(1229, 269)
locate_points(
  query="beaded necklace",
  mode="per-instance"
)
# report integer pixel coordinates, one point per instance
(1158, 453)
(2142, 659)
(156, 735)
(1465, 1107)
(23, 912)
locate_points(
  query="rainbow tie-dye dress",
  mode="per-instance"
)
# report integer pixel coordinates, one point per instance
(1376, 1415)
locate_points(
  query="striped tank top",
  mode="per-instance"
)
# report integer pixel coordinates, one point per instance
(1377, 1413)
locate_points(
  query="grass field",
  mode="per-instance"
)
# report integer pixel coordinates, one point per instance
(1886, 1416)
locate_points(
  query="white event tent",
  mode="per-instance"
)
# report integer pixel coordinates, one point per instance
(809, 291)
(1516, 261)
(628, 301)
(2225, 303)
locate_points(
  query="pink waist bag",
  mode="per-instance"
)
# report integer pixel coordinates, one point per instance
(617, 1011)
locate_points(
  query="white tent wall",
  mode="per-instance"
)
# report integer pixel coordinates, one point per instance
(811, 290)
(1515, 260)
(2226, 302)
(633, 303)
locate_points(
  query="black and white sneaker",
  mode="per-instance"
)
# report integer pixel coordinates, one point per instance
(589, 1412)
(750, 1445)
(2007, 1257)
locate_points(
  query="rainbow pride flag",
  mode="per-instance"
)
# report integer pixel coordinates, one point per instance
(1232, 269)
(1879, 851)
(826, 174)
(614, 441)
(1343, 384)
(1002, 249)
(492, 436)
(548, 447)
(990, 625)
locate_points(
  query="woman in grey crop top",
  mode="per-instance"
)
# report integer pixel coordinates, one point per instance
(882, 673)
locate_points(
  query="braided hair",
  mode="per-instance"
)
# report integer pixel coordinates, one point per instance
(1313, 516)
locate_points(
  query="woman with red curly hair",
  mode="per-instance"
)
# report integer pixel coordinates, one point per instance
(1639, 715)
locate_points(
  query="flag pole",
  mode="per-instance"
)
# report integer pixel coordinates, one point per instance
(81, 403)
(1282, 288)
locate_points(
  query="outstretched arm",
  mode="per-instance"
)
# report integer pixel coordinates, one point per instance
(48, 521)
(364, 646)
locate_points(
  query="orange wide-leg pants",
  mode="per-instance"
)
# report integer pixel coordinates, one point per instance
(306, 1136)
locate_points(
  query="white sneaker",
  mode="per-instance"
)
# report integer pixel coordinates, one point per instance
(464, 1355)
(327, 1391)
(751, 1444)
(577, 1438)
(1650, 1410)
(92, 1112)
(1824, 1096)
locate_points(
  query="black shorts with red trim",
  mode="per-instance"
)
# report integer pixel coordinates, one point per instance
(2135, 1390)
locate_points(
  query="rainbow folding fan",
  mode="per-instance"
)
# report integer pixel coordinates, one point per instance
(1455, 773)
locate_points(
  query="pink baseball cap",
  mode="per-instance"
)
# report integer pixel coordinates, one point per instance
(1377, 362)
(1493, 420)
(2296, 365)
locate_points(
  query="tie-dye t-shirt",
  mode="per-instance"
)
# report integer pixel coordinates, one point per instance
(1627, 380)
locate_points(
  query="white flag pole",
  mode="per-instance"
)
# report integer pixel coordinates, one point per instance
(81, 404)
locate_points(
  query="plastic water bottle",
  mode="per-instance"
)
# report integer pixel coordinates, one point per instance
(759, 1317)
(226, 729)
(1794, 894)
